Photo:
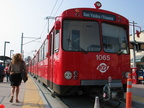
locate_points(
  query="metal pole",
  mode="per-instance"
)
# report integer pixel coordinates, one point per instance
(48, 25)
(49, 17)
(11, 53)
(134, 55)
(4, 52)
(22, 44)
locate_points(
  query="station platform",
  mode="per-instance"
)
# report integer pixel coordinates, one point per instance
(138, 94)
(29, 96)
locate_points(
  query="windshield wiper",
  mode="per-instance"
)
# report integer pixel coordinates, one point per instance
(76, 46)
(81, 49)
(120, 52)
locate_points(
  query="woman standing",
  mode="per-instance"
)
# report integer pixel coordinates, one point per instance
(6, 70)
(15, 69)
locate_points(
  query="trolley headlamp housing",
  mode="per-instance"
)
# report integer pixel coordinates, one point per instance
(97, 5)
(68, 75)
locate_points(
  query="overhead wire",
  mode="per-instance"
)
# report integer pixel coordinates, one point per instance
(53, 7)
(43, 30)
(58, 7)
(41, 35)
(51, 14)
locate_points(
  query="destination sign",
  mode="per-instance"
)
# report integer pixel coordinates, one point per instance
(105, 16)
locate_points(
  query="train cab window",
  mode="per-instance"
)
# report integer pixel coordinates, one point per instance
(114, 39)
(81, 36)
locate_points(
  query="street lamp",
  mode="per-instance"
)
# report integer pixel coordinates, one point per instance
(5, 50)
(11, 52)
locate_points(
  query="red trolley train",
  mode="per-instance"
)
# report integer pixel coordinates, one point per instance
(86, 51)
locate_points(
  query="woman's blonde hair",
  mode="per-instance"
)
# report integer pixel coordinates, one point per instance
(17, 58)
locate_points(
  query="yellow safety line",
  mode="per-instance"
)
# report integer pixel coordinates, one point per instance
(137, 99)
(32, 98)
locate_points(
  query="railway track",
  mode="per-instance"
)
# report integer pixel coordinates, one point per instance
(77, 101)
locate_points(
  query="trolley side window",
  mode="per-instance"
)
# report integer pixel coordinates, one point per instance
(81, 36)
(41, 54)
(52, 43)
(114, 39)
(45, 48)
(56, 42)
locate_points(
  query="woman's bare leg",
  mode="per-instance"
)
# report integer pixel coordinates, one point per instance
(17, 93)
(12, 90)
(12, 93)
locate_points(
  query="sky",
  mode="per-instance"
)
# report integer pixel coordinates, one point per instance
(29, 17)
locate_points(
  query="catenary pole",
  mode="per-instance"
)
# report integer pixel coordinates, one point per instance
(134, 49)
(22, 44)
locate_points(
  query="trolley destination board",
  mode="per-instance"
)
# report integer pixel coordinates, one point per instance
(105, 16)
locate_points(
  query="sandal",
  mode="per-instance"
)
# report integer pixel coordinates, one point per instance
(17, 101)
(11, 99)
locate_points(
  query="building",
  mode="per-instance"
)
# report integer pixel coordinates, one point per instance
(139, 53)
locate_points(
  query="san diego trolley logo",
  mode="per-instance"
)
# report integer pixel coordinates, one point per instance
(102, 67)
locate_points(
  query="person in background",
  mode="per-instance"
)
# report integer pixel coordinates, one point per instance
(1, 72)
(7, 72)
(16, 67)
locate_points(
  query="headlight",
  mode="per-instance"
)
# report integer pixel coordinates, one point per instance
(68, 75)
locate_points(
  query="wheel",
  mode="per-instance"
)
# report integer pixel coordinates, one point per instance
(53, 94)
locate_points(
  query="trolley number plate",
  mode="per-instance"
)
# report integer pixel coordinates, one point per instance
(103, 57)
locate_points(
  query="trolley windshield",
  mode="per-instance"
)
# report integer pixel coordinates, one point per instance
(81, 36)
(85, 36)
(114, 39)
